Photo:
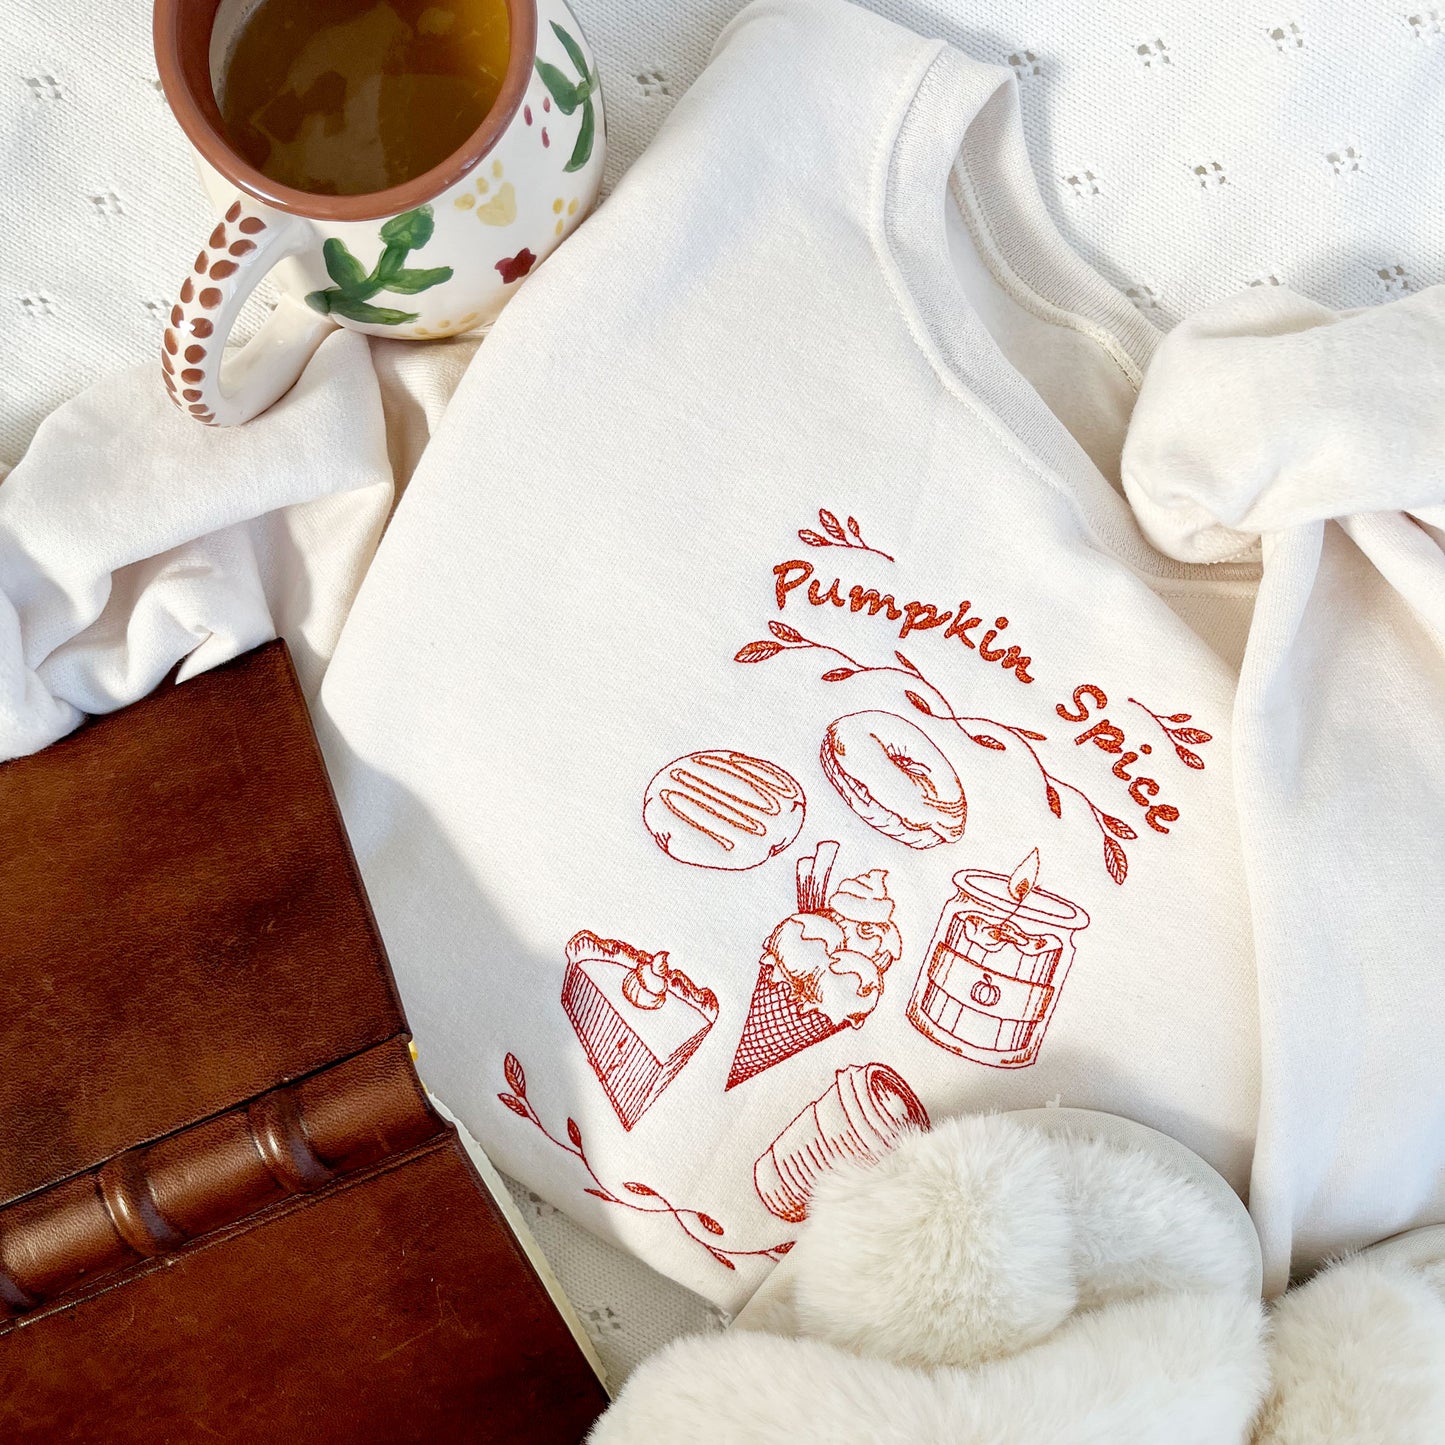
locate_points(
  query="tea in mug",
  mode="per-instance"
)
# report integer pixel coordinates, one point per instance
(346, 97)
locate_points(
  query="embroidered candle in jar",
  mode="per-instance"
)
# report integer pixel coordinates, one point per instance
(994, 969)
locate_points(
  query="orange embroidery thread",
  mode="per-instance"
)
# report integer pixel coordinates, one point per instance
(1109, 738)
(1111, 829)
(916, 616)
(688, 1220)
(720, 808)
(638, 1018)
(861, 1115)
(835, 534)
(1178, 736)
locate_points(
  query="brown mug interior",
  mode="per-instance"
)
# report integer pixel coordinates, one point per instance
(183, 31)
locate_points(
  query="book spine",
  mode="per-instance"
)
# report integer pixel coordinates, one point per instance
(154, 1199)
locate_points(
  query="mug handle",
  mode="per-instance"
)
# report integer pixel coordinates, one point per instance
(205, 385)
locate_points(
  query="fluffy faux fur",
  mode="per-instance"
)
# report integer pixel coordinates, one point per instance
(975, 1240)
(1359, 1358)
(956, 1248)
(1140, 1226)
(1176, 1370)
(941, 1292)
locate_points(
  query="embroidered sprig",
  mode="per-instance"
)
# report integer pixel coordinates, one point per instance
(1178, 736)
(836, 534)
(688, 1220)
(1111, 829)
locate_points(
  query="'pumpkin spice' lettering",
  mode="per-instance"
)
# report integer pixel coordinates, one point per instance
(1108, 737)
(912, 616)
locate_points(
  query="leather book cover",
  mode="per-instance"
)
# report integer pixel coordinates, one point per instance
(228, 1211)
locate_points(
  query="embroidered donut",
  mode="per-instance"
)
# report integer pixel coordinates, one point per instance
(894, 778)
(723, 809)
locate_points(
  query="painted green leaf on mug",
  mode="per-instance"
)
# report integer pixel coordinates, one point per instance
(569, 94)
(355, 286)
(564, 93)
(370, 315)
(574, 51)
(585, 136)
(412, 229)
(408, 283)
(342, 266)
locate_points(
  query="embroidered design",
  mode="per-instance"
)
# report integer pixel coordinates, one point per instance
(861, 1115)
(723, 809)
(355, 286)
(996, 966)
(893, 777)
(1109, 738)
(835, 534)
(569, 94)
(690, 1221)
(639, 1019)
(822, 967)
(1111, 829)
(916, 616)
(1178, 736)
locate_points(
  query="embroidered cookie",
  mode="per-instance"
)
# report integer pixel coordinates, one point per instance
(723, 809)
(893, 777)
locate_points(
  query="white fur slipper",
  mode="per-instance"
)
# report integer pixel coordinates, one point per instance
(1359, 1351)
(1054, 1275)
(1173, 1370)
(977, 1239)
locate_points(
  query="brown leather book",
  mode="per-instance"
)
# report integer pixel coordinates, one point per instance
(228, 1211)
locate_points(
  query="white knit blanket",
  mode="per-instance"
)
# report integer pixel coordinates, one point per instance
(1186, 150)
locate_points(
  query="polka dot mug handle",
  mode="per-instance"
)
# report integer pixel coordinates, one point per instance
(245, 245)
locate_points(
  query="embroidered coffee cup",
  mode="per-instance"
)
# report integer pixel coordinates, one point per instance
(437, 254)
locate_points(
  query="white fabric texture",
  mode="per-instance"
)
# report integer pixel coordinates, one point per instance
(1271, 417)
(532, 665)
(131, 540)
(1185, 150)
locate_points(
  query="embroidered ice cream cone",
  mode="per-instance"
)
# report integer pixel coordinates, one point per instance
(822, 968)
(859, 1116)
(775, 1029)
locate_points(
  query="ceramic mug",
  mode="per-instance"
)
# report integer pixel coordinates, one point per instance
(434, 257)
